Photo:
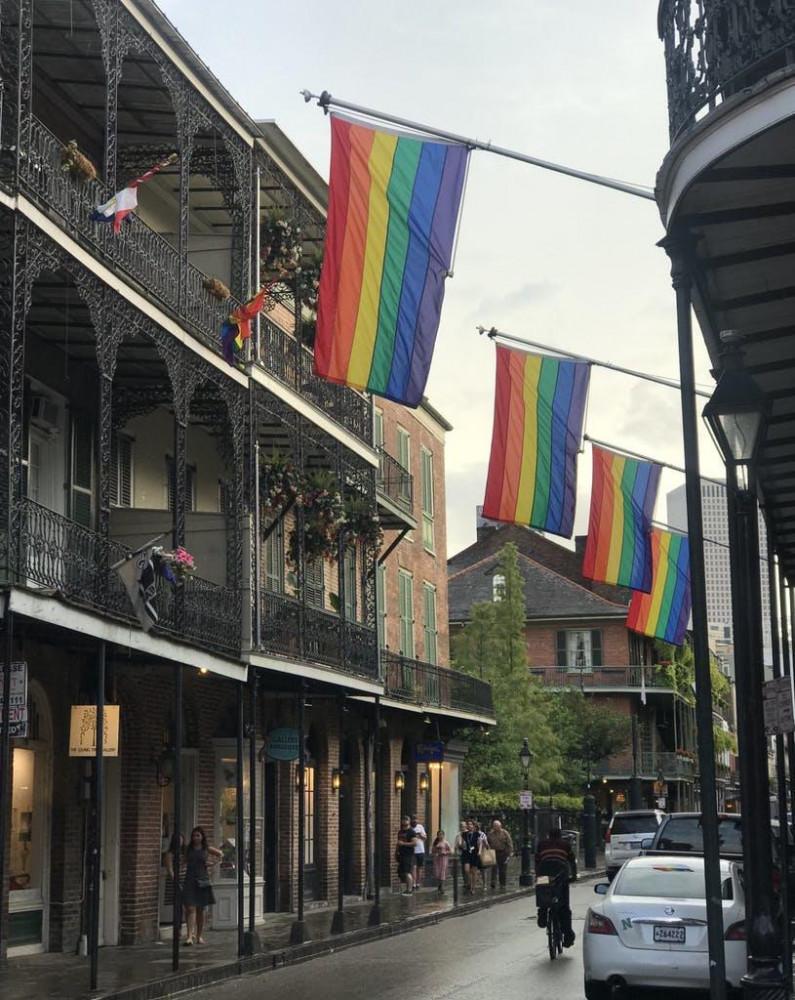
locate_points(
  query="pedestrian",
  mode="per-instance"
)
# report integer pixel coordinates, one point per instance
(419, 852)
(469, 856)
(197, 892)
(502, 845)
(174, 858)
(404, 854)
(482, 841)
(440, 851)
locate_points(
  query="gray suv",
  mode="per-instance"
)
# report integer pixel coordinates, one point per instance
(625, 835)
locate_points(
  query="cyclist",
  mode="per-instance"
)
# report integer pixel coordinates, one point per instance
(554, 857)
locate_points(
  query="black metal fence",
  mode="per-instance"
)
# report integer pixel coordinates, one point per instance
(428, 684)
(394, 481)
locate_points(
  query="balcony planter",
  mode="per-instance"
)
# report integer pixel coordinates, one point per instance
(216, 289)
(281, 484)
(282, 245)
(323, 513)
(362, 525)
(76, 163)
(174, 567)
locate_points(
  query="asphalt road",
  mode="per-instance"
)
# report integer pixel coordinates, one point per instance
(497, 953)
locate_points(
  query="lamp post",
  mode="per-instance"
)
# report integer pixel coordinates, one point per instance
(736, 416)
(526, 759)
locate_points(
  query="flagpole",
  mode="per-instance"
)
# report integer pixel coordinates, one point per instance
(131, 555)
(325, 101)
(645, 458)
(494, 333)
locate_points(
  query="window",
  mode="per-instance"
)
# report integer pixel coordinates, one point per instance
(190, 485)
(349, 577)
(81, 506)
(426, 475)
(498, 587)
(121, 471)
(429, 600)
(406, 612)
(314, 583)
(404, 459)
(380, 583)
(274, 559)
(580, 650)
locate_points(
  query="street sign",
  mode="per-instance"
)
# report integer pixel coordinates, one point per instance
(525, 800)
(779, 706)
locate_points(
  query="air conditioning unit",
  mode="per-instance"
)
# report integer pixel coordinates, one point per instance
(44, 412)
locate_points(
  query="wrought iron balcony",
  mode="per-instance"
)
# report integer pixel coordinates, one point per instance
(716, 48)
(293, 364)
(430, 685)
(394, 481)
(138, 251)
(299, 631)
(602, 677)
(57, 554)
(673, 766)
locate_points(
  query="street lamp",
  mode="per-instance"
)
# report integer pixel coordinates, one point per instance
(736, 415)
(526, 759)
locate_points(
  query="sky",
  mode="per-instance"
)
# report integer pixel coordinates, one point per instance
(540, 255)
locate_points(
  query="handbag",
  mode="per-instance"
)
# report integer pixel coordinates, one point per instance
(488, 857)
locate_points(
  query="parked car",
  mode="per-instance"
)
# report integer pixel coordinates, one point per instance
(650, 927)
(625, 835)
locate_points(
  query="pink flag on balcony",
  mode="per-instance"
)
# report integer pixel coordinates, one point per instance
(124, 202)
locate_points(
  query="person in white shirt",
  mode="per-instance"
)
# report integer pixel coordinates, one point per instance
(419, 851)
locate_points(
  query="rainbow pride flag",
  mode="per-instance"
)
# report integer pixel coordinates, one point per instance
(538, 414)
(392, 213)
(623, 494)
(664, 612)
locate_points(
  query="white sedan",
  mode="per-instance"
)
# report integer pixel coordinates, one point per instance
(650, 926)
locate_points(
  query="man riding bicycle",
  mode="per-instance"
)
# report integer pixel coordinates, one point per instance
(554, 858)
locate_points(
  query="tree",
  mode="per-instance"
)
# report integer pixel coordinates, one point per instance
(588, 731)
(492, 646)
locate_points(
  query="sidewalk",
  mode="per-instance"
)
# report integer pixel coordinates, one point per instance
(143, 972)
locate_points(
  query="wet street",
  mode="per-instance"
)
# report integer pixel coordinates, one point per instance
(498, 952)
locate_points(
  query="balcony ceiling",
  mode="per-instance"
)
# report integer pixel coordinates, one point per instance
(742, 210)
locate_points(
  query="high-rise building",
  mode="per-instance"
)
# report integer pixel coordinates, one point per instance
(716, 552)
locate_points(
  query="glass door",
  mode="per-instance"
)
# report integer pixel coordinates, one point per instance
(28, 875)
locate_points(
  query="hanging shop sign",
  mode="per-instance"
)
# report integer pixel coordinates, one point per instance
(282, 744)
(18, 701)
(83, 731)
(427, 752)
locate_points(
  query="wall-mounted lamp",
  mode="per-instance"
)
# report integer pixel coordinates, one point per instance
(336, 779)
(400, 780)
(427, 719)
(163, 760)
(425, 782)
(203, 671)
(298, 779)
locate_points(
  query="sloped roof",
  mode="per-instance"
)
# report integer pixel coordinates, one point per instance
(547, 594)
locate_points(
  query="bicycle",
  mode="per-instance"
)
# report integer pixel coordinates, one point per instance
(549, 898)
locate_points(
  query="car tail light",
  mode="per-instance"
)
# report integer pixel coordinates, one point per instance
(776, 879)
(736, 932)
(597, 924)
(607, 835)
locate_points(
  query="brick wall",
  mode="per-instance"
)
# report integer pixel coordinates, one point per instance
(541, 642)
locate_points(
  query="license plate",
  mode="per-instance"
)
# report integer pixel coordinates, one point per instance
(663, 934)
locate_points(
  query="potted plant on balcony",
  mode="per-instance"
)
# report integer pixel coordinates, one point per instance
(76, 163)
(323, 513)
(281, 484)
(175, 567)
(281, 244)
(362, 525)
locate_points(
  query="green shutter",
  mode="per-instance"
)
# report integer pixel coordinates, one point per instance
(81, 501)
(349, 571)
(562, 660)
(429, 594)
(596, 648)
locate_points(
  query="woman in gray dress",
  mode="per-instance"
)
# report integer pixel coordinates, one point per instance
(197, 891)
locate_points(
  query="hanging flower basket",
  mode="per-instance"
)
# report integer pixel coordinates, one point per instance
(362, 524)
(280, 483)
(175, 567)
(281, 243)
(76, 163)
(216, 288)
(307, 282)
(323, 514)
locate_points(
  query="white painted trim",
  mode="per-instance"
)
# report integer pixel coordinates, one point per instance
(8, 200)
(36, 605)
(284, 166)
(723, 130)
(315, 672)
(311, 412)
(449, 713)
(187, 73)
(112, 280)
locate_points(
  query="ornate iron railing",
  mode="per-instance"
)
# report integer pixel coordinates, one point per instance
(601, 677)
(293, 629)
(141, 253)
(428, 684)
(292, 364)
(650, 765)
(394, 481)
(60, 555)
(715, 48)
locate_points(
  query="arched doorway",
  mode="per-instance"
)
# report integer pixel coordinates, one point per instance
(31, 810)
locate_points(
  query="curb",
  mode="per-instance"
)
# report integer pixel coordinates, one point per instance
(186, 982)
